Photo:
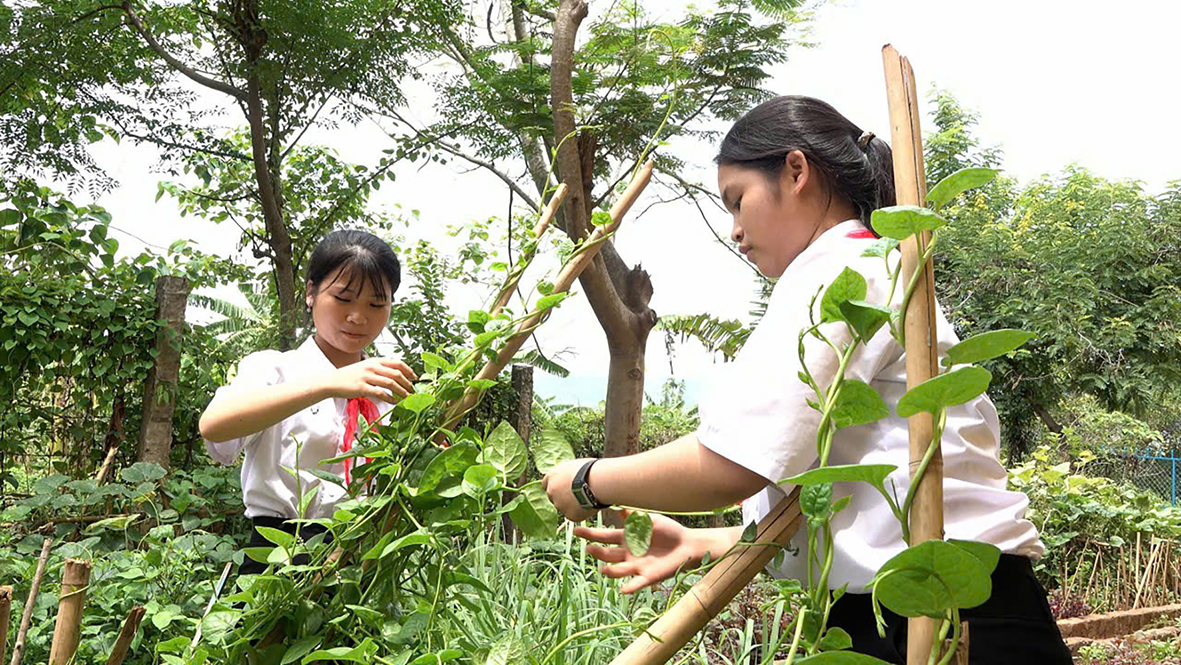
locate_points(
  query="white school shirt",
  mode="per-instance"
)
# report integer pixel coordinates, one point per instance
(267, 489)
(755, 414)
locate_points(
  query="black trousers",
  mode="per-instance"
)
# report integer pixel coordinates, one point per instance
(1013, 627)
(307, 532)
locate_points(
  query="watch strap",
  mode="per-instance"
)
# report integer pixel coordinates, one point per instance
(580, 487)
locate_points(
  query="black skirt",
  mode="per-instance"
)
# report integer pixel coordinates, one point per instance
(1013, 627)
(307, 532)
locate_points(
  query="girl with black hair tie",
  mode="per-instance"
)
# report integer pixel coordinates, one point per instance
(293, 409)
(801, 181)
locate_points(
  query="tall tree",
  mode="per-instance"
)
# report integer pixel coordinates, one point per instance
(164, 73)
(544, 98)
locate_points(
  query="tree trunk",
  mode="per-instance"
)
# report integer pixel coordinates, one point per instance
(155, 434)
(1047, 418)
(618, 296)
(266, 177)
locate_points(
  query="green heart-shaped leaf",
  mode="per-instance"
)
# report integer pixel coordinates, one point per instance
(901, 222)
(987, 346)
(955, 387)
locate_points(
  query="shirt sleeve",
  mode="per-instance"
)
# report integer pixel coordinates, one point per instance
(257, 370)
(757, 412)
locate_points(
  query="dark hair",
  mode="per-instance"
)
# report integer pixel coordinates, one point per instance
(364, 254)
(832, 144)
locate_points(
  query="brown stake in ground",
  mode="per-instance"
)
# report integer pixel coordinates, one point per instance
(18, 647)
(126, 635)
(922, 351)
(67, 632)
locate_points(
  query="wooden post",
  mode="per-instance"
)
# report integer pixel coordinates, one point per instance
(155, 434)
(922, 350)
(18, 647)
(719, 586)
(5, 615)
(126, 635)
(75, 580)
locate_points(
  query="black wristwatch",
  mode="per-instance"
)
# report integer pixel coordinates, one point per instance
(582, 491)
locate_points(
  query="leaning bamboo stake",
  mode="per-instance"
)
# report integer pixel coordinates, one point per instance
(126, 635)
(563, 283)
(547, 215)
(922, 350)
(5, 615)
(710, 596)
(68, 631)
(18, 647)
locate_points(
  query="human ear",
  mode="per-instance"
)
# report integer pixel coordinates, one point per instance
(309, 293)
(796, 170)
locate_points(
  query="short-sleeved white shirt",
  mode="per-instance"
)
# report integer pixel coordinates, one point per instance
(267, 489)
(756, 414)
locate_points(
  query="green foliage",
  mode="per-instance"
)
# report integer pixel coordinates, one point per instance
(78, 333)
(170, 540)
(1088, 522)
(627, 72)
(1088, 265)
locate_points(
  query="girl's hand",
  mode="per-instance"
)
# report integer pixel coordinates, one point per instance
(673, 547)
(386, 379)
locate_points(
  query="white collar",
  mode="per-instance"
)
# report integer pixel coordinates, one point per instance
(314, 355)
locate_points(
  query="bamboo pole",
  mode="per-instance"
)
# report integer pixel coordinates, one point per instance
(67, 632)
(719, 586)
(922, 350)
(18, 647)
(5, 615)
(563, 283)
(126, 635)
(547, 215)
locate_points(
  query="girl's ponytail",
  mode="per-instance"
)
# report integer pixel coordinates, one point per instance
(855, 165)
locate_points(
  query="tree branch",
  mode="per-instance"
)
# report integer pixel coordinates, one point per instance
(179, 66)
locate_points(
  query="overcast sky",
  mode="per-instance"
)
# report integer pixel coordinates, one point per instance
(1054, 82)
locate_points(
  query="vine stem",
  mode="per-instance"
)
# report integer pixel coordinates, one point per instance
(914, 282)
(795, 642)
(912, 491)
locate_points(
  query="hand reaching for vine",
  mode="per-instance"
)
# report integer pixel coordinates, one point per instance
(385, 379)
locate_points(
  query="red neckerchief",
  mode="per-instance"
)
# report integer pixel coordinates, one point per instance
(357, 406)
(861, 233)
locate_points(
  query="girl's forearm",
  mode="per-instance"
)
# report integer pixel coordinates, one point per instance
(679, 476)
(242, 412)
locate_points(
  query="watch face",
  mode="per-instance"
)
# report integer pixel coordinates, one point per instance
(580, 495)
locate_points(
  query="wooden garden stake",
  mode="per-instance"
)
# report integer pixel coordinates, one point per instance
(18, 647)
(5, 614)
(126, 635)
(922, 351)
(75, 580)
(719, 586)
